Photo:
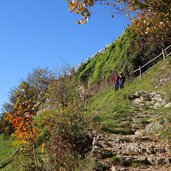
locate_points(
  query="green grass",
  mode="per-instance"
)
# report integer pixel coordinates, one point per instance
(115, 58)
(112, 111)
(10, 159)
(6, 148)
(7, 154)
(109, 109)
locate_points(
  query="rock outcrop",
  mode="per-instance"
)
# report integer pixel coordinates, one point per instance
(153, 100)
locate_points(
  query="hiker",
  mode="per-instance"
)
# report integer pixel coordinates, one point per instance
(121, 80)
(116, 81)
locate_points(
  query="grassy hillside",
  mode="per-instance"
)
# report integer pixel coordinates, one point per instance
(110, 112)
(5, 147)
(126, 54)
(6, 150)
(109, 108)
(116, 57)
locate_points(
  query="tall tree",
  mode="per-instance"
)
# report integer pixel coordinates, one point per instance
(32, 89)
(37, 84)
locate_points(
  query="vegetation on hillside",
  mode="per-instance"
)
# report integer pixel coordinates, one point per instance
(125, 54)
(48, 118)
(102, 65)
(148, 34)
(50, 125)
(64, 127)
(109, 109)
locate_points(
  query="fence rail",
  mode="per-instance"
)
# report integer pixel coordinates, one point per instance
(99, 52)
(141, 69)
(156, 60)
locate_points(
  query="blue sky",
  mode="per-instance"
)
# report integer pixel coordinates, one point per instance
(39, 33)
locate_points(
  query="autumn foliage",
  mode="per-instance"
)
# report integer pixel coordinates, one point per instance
(150, 18)
(22, 120)
(82, 8)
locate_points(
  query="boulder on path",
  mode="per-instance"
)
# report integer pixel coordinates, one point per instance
(153, 127)
(153, 100)
(168, 105)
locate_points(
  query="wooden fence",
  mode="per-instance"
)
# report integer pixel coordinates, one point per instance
(141, 69)
(99, 52)
(146, 67)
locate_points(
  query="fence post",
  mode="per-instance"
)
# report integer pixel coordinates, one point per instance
(164, 57)
(140, 71)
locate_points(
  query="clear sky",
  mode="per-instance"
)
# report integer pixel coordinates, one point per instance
(39, 33)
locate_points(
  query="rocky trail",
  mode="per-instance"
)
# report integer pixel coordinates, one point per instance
(140, 148)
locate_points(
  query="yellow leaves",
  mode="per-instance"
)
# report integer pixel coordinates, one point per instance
(16, 104)
(72, 6)
(82, 22)
(82, 8)
(91, 3)
(133, 21)
(43, 147)
(20, 142)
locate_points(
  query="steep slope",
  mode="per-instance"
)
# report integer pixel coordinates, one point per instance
(116, 57)
(134, 124)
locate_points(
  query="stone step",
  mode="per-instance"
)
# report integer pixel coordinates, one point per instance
(111, 139)
(149, 168)
(120, 131)
(140, 148)
(152, 160)
(108, 150)
(123, 138)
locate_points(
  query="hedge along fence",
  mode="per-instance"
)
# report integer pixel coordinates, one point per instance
(146, 67)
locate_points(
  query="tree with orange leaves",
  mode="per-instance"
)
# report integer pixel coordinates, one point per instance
(21, 119)
(26, 132)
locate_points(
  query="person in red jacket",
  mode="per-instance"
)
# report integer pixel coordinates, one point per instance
(116, 81)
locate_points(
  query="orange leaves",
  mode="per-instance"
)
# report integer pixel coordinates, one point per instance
(151, 19)
(43, 147)
(82, 8)
(89, 2)
(72, 6)
(134, 7)
(22, 121)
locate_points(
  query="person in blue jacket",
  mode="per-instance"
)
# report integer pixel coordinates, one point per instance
(121, 80)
